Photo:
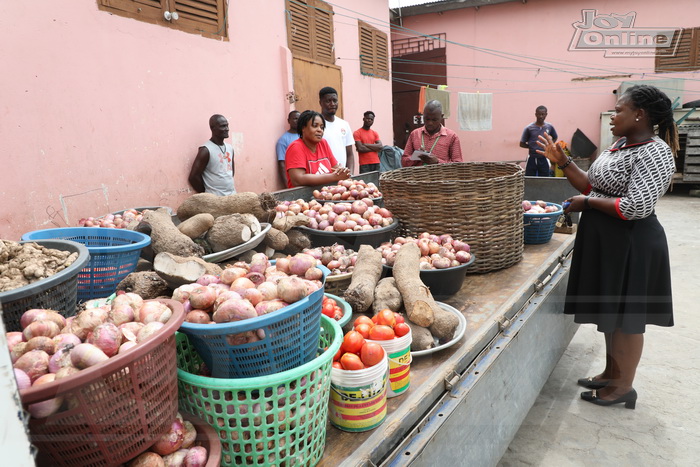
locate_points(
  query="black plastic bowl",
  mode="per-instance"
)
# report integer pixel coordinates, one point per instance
(442, 282)
(353, 240)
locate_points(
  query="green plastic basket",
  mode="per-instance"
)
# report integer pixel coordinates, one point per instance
(276, 419)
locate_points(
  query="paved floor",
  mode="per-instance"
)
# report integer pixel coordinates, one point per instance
(664, 429)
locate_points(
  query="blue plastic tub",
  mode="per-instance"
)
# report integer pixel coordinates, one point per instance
(290, 340)
(540, 227)
(113, 255)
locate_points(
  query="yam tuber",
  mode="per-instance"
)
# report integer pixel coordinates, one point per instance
(368, 270)
(421, 338)
(417, 299)
(298, 242)
(261, 206)
(196, 226)
(386, 295)
(444, 326)
(286, 223)
(276, 239)
(178, 270)
(227, 232)
(147, 284)
(165, 237)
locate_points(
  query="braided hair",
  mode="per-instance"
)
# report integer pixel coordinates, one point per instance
(658, 107)
(306, 117)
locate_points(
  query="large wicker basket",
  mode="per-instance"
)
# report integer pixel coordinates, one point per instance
(477, 202)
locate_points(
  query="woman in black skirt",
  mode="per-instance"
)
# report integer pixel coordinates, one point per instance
(620, 275)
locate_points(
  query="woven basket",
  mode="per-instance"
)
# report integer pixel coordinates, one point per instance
(338, 283)
(477, 202)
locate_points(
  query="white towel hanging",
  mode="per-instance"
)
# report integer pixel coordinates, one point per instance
(474, 111)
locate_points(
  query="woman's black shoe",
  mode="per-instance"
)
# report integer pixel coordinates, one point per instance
(590, 383)
(630, 399)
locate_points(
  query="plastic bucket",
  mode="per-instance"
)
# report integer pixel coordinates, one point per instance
(399, 353)
(358, 397)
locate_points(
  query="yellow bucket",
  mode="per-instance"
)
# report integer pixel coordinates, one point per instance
(358, 397)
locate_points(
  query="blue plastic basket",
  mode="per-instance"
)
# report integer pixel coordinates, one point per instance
(540, 227)
(113, 255)
(290, 339)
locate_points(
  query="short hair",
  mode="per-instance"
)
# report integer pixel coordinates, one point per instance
(306, 117)
(289, 115)
(368, 113)
(433, 105)
(541, 107)
(213, 119)
(326, 90)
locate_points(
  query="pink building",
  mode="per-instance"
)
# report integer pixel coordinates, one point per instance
(528, 53)
(105, 102)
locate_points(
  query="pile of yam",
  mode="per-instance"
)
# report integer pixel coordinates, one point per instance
(427, 320)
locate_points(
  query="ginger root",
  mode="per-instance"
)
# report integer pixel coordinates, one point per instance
(24, 263)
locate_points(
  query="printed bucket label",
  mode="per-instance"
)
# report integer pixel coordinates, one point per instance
(399, 371)
(359, 408)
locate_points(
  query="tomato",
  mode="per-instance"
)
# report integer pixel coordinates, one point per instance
(381, 332)
(399, 318)
(350, 361)
(363, 319)
(329, 300)
(363, 329)
(328, 310)
(352, 342)
(375, 319)
(386, 317)
(337, 365)
(401, 329)
(337, 355)
(371, 354)
(338, 312)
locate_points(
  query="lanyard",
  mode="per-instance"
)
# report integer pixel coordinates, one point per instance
(422, 143)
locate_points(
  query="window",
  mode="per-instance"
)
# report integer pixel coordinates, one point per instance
(310, 30)
(205, 17)
(686, 56)
(374, 52)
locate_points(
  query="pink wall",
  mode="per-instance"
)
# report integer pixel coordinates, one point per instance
(101, 113)
(528, 64)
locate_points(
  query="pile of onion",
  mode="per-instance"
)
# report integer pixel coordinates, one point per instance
(177, 447)
(112, 221)
(51, 347)
(540, 207)
(340, 217)
(349, 190)
(437, 251)
(337, 258)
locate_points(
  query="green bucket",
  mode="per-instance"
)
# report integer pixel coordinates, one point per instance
(275, 419)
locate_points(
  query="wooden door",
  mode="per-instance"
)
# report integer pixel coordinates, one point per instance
(309, 77)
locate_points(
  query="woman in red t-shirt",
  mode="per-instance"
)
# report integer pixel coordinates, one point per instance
(309, 160)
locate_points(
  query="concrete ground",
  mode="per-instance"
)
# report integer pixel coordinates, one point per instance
(664, 429)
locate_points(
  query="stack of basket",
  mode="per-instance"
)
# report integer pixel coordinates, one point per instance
(476, 202)
(267, 399)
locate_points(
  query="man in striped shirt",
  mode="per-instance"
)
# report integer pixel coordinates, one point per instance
(431, 143)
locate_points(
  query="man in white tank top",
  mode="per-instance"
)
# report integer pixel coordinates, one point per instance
(213, 167)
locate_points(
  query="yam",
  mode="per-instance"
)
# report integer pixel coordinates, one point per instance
(227, 232)
(147, 284)
(196, 226)
(386, 295)
(298, 242)
(276, 239)
(178, 270)
(287, 223)
(417, 299)
(261, 206)
(421, 338)
(368, 270)
(444, 326)
(165, 237)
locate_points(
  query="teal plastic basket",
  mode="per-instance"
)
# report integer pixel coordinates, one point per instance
(540, 227)
(288, 339)
(279, 419)
(113, 255)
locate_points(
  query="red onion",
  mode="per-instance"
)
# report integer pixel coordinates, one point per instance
(106, 337)
(170, 441)
(34, 363)
(196, 457)
(23, 381)
(13, 338)
(207, 279)
(48, 407)
(148, 330)
(87, 355)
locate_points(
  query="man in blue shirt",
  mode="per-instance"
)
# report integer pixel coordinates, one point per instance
(537, 165)
(285, 140)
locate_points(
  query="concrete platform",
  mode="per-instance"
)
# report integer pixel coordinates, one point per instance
(664, 429)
